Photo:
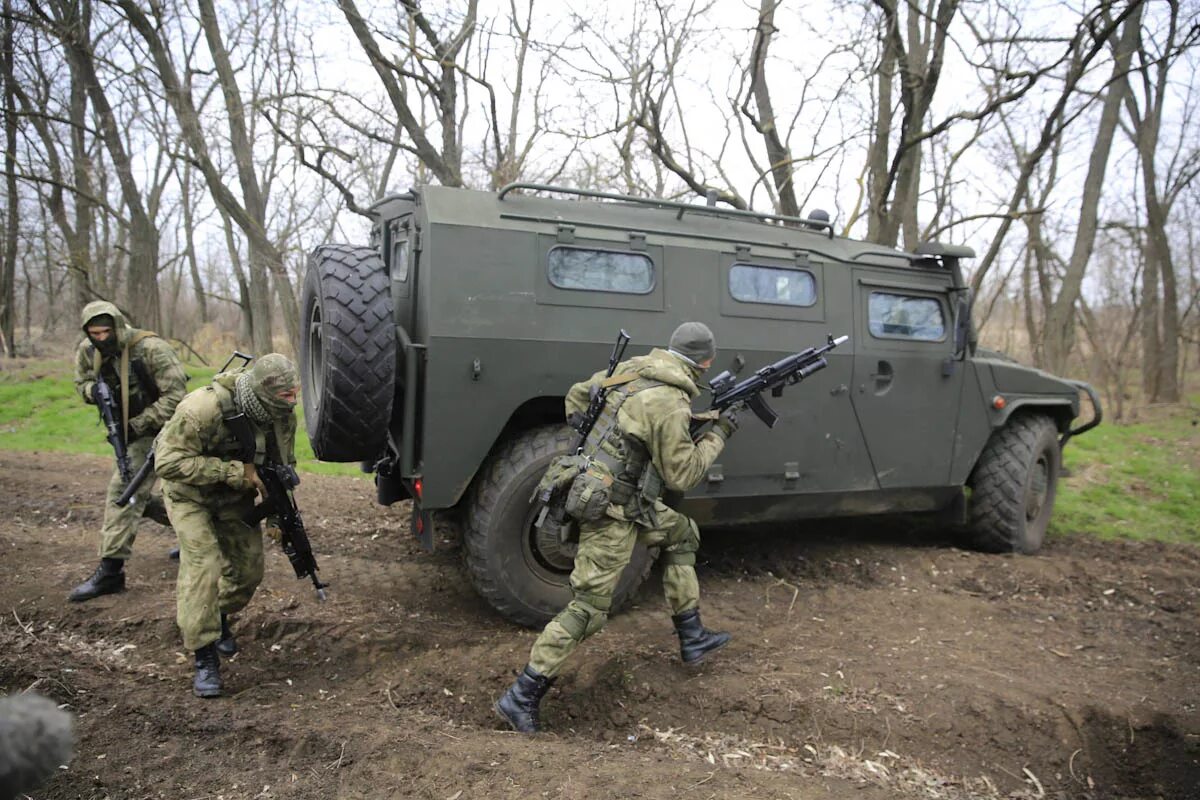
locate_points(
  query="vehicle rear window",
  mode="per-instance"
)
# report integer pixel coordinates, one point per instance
(400, 260)
(601, 270)
(752, 283)
(906, 316)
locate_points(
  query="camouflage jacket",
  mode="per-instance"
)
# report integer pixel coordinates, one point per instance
(142, 353)
(659, 417)
(198, 455)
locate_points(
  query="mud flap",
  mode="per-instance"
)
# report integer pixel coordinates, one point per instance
(422, 526)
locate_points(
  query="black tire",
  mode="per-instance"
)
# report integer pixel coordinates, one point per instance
(521, 577)
(347, 353)
(1013, 486)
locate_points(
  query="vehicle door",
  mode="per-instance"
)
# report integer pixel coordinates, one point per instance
(906, 387)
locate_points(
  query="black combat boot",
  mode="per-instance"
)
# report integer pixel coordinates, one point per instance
(695, 640)
(519, 705)
(109, 578)
(226, 645)
(207, 682)
(173, 554)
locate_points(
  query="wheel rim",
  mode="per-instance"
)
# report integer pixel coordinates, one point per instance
(544, 554)
(316, 352)
(1039, 488)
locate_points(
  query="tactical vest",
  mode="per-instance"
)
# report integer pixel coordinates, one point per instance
(636, 483)
(244, 441)
(134, 398)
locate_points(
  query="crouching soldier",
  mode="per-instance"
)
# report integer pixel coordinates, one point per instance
(206, 457)
(146, 381)
(640, 444)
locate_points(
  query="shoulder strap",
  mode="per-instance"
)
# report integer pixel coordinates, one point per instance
(237, 421)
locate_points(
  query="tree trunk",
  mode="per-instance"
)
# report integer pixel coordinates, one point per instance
(1060, 321)
(142, 288)
(189, 233)
(778, 155)
(8, 264)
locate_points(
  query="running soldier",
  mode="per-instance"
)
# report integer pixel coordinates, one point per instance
(640, 445)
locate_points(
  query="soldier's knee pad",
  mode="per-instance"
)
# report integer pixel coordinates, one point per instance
(682, 542)
(581, 619)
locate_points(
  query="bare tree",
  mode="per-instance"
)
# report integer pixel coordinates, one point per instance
(8, 258)
(249, 212)
(1144, 114)
(1060, 315)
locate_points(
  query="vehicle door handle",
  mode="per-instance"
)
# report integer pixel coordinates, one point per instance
(883, 377)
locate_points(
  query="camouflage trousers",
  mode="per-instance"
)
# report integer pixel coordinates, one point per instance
(605, 549)
(121, 522)
(220, 564)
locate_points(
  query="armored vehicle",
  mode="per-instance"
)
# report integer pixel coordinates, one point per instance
(439, 355)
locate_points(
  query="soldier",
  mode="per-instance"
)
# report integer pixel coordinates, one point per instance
(640, 444)
(147, 381)
(206, 457)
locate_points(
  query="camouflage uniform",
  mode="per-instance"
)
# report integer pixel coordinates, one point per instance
(199, 458)
(136, 358)
(641, 444)
(658, 416)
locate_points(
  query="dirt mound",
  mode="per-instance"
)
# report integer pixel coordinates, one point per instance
(868, 661)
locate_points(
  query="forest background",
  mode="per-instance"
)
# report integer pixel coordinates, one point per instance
(182, 158)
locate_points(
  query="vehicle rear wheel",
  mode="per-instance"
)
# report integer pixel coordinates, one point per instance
(1014, 485)
(347, 353)
(521, 574)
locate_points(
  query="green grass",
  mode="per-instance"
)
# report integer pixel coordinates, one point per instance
(39, 410)
(1137, 481)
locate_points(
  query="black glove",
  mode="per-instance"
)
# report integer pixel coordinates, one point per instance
(95, 393)
(727, 423)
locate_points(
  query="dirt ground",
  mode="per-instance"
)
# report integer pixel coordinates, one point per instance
(867, 663)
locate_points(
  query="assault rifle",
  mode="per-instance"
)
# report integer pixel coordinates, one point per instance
(280, 479)
(583, 424)
(110, 415)
(552, 519)
(728, 391)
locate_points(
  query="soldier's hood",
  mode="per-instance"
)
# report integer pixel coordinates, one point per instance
(668, 368)
(99, 307)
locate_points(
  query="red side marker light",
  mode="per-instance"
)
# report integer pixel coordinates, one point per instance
(998, 402)
(418, 487)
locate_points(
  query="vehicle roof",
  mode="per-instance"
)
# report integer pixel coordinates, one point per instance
(694, 225)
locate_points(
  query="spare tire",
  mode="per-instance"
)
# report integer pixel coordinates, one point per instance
(347, 353)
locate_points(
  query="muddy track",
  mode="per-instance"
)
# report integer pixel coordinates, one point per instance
(868, 661)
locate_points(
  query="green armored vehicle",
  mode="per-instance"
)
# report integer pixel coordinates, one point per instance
(439, 357)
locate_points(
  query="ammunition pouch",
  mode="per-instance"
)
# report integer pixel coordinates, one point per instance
(557, 478)
(590, 494)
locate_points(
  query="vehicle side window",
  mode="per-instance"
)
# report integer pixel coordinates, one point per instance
(906, 316)
(600, 270)
(752, 283)
(400, 260)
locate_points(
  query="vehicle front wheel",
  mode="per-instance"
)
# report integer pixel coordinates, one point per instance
(521, 573)
(1014, 485)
